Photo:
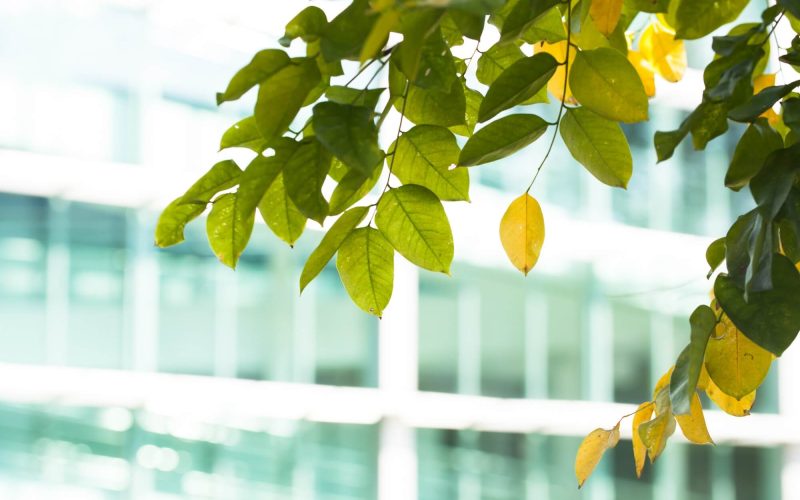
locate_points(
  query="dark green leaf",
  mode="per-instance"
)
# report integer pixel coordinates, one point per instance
(282, 96)
(730, 78)
(666, 142)
(304, 174)
(365, 262)
(495, 60)
(715, 255)
(522, 16)
(330, 243)
(437, 69)
(683, 382)
(424, 155)
(708, 121)
(264, 64)
(737, 246)
(229, 229)
(697, 18)
(244, 134)
(791, 113)
(172, 221)
(501, 138)
(469, 24)
(519, 82)
(413, 220)
(792, 6)
(771, 186)
(599, 145)
(345, 95)
(349, 133)
(344, 35)
(761, 102)
(280, 212)
(416, 26)
(604, 81)
(308, 25)
(771, 318)
(351, 188)
(790, 240)
(757, 142)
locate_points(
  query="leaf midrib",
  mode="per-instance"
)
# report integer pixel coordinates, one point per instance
(424, 240)
(433, 167)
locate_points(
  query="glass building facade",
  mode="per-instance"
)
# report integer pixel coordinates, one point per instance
(131, 372)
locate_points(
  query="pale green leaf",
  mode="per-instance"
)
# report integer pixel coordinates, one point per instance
(501, 138)
(365, 262)
(473, 104)
(229, 229)
(413, 220)
(264, 64)
(345, 95)
(280, 213)
(697, 18)
(497, 59)
(434, 107)
(308, 24)
(344, 36)
(243, 134)
(424, 155)
(599, 145)
(223, 175)
(173, 220)
(282, 95)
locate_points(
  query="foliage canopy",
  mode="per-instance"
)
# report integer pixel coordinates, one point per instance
(312, 126)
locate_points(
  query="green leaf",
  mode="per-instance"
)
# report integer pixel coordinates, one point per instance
(304, 175)
(730, 78)
(365, 262)
(715, 255)
(473, 104)
(433, 107)
(223, 175)
(416, 26)
(330, 243)
(282, 95)
(604, 81)
(259, 176)
(599, 145)
(518, 83)
(437, 69)
(652, 6)
(344, 36)
(264, 64)
(761, 102)
(683, 381)
(351, 188)
(469, 24)
(229, 229)
(413, 220)
(757, 142)
(349, 133)
(173, 220)
(771, 186)
(501, 138)
(793, 6)
(424, 155)
(666, 142)
(697, 18)
(243, 134)
(548, 28)
(791, 113)
(345, 95)
(308, 25)
(497, 59)
(708, 121)
(280, 212)
(737, 246)
(524, 14)
(771, 318)
(379, 34)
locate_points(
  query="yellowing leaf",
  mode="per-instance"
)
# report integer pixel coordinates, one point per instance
(642, 415)
(736, 364)
(605, 14)
(654, 434)
(729, 404)
(666, 54)
(645, 71)
(522, 232)
(556, 83)
(693, 425)
(591, 451)
(663, 382)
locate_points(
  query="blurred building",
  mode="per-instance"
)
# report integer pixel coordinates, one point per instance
(132, 372)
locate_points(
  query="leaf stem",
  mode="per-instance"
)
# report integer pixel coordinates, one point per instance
(649, 404)
(563, 99)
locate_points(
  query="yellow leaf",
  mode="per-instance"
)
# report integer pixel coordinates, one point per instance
(729, 404)
(605, 14)
(522, 232)
(666, 54)
(654, 434)
(645, 71)
(642, 415)
(663, 382)
(556, 84)
(693, 425)
(735, 363)
(591, 451)
(760, 83)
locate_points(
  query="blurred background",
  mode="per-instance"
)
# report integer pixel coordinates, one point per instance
(129, 372)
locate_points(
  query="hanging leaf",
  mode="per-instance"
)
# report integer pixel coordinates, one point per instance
(308, 25)
(473, 104)
(755, 145)
(264, 64)
(352, 188)
(735, 363)
(693, 424)
(599, 145)
(413, 220)
(715, 255)
(591, 451)
(304, 176)
(642, 415)
(556, 85)
(771, 318)
(282, 95)
(654, 433)
(357, 97)
(605, 82)
(434, 107)
(330, 243)
(344, 35)
(280, 213)
(683, 381)
(549, 27)
(518, 83)
(223, 175)
(664, 53)
(424, 155)
(728, 404)
(349, 133)
(379, 34)
(644, 70)
(416, 26)
(243, 134)
(501, 138)
(173, 220)
(497, 59)
(605, 14)
(522, 232)
(761, 102)
(228, 229)
(523, 14)
(697, 18)
(259, 176)
(365, 262)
